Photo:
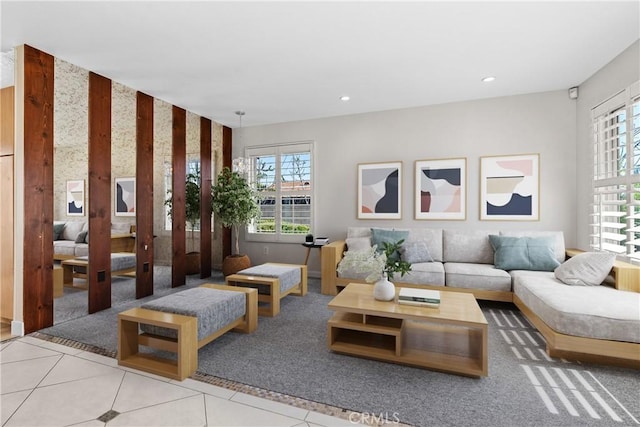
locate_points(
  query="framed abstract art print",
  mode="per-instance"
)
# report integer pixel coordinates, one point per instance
(380, 190)
(75, 197)
(441, 189)
(510, 187)
(125, 196)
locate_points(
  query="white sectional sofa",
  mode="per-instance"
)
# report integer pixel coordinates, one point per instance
(596, 323)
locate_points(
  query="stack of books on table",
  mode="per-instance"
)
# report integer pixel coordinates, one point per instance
(420, 297)
(320, 241)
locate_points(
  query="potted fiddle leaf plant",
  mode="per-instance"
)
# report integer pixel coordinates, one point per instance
(192, 218)
(234, 205)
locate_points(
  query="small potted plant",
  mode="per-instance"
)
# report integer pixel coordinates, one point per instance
(234, 205)
(380, 265)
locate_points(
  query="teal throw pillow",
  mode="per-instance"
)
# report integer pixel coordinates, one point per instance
(524, 253)
(57, 230)
(382, 235)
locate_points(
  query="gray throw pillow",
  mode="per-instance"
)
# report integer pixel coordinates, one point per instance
(82, 237)
(415, 252)
(358, 243)
(57, 230)
(586, 269)
(524, 253)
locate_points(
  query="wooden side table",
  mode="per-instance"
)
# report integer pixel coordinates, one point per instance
(310, 246)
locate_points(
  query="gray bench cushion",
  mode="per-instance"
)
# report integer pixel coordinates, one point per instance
(214, 308)
(119, 260)
(599, 312)
(289, 276)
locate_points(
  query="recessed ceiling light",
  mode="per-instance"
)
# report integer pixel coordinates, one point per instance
(488, 79)
(345, 98)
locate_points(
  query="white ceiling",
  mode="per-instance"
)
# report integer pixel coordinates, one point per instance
(287, 61)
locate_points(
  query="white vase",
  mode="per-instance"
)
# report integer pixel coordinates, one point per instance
(384, 290)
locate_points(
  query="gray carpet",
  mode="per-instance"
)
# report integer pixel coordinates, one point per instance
(288, 354)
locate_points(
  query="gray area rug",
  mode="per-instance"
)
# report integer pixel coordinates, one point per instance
(288, 354)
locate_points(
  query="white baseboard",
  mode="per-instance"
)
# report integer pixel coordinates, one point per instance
(17, 328)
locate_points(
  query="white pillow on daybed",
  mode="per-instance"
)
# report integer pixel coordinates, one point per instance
(586, 269)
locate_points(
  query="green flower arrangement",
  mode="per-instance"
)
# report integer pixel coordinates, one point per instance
(234, 202)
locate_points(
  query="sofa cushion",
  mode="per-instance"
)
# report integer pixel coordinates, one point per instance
(71, 230)
(586, 269)
(415, 252)
(380, 236)
(431, 236)
(599, 312)
(468, 246)
(524, 253)
(424, 273)
(557, 236)
(64, 247)
(358, 243)
(120, 228)
(81, 249)
(476, 276)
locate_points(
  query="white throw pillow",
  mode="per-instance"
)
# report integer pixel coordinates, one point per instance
(358, 243)
(586, 269)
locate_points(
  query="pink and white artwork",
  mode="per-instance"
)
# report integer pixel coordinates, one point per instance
(509, 187)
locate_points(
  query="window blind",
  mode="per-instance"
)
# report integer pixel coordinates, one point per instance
(615, 208)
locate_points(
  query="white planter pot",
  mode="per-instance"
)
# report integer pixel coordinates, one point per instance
(384, 290)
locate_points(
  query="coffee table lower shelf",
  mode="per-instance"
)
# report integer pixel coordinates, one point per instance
(452, 348)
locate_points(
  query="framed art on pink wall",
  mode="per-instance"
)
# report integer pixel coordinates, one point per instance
(510, 187)
(380, 190)
(441, 189)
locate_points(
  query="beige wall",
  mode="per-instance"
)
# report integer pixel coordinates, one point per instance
(541, 123)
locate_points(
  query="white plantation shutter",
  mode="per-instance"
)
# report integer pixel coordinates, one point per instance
(615, 209)
(283, 176)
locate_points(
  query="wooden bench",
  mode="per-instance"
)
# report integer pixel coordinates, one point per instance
(185, 344)
(271, 300)
(79, 268)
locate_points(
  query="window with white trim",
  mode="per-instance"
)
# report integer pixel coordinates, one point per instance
(283, 177)
(615, 214)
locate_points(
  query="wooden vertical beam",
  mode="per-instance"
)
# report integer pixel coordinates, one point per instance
(227, 145)
(144, 195)
(99, 193)
(205, 197)
(38, 190)
(178, 194)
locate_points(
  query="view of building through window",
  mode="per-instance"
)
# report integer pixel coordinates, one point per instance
(282, 176)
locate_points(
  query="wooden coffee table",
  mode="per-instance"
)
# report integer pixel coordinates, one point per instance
(451, 338)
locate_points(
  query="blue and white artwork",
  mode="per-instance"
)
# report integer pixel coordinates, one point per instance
(510, 187)
(379, 190)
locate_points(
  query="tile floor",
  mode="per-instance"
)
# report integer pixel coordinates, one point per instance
(48, 384)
